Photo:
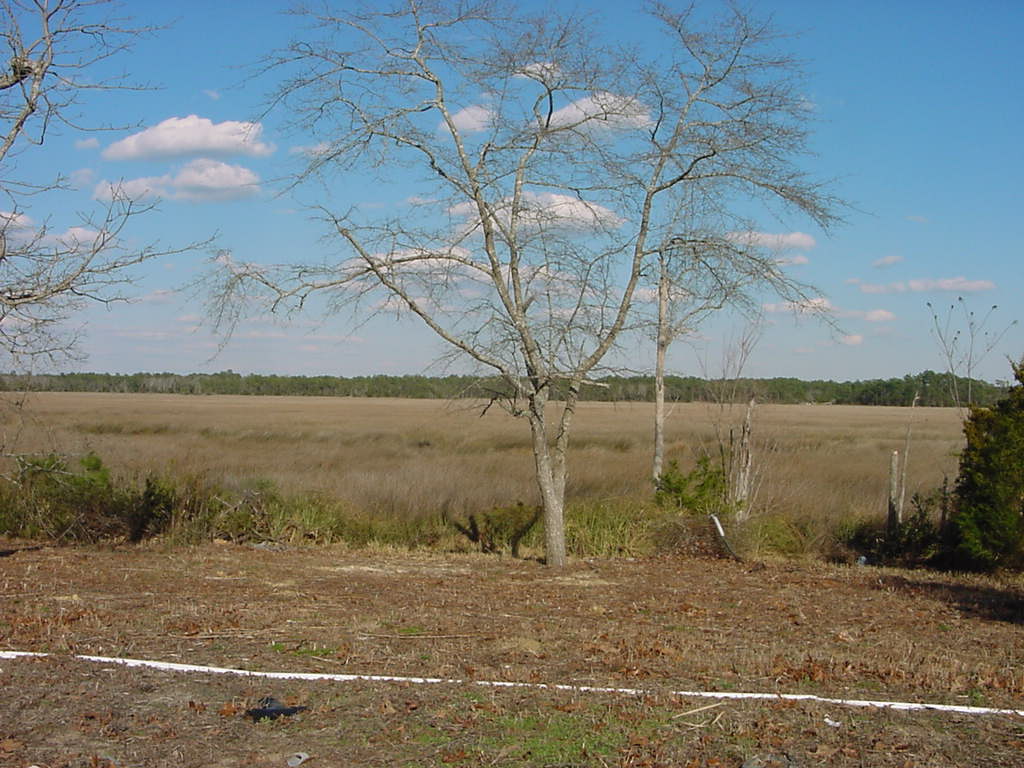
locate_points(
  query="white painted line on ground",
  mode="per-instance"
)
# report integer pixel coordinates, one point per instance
(169, 666)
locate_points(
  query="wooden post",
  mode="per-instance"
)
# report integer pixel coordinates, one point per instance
(895, 518)
(944, 509)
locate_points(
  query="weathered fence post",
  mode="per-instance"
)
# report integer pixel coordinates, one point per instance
(895, 513)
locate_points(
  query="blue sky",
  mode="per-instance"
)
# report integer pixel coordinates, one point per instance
(918, 120)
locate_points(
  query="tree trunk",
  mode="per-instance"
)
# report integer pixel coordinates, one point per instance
(551, 482)
(744, 465)
(664, 337)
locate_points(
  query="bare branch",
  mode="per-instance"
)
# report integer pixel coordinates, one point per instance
(46, 274)
(550, 175)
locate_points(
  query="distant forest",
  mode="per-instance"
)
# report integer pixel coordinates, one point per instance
(931, 388)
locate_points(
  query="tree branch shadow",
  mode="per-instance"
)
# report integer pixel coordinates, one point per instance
(977, 601)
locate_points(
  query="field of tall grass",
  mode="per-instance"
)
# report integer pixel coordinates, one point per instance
(414, 463)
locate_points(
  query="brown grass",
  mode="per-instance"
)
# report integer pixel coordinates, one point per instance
(660, 624)
(818, 464)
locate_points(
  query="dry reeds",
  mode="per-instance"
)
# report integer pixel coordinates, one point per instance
(411, 458)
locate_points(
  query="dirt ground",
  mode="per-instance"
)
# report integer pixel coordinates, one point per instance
(661, 624)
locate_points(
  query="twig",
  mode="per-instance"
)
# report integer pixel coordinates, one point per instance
(698, 709)
(418, 637)
(331, 661)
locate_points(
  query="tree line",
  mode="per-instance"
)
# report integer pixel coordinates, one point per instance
(929, 387)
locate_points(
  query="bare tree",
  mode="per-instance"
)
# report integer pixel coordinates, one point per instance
(700, 273)
(547, 175)
(55, 49)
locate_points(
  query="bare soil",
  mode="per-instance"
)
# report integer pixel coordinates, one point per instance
(660, 624)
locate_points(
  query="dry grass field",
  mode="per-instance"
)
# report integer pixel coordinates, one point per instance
(658, 623)
(817, 465)
(661, 625)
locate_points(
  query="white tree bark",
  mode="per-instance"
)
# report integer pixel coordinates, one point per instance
(663, 340)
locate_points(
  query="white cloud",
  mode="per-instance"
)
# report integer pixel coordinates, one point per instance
(821, 304)
(313, 150)
(917, 219)
(83, 177)
(11, 221)
(879, 316)
(852, 340)
(644, 294)
(545, 209)
(20, 228)
(566, 210)
(200, 181)
(214, 95)
(91, 143)
(541, 71)
(75, 237)
(807, 306)
(258, 333)
(603, 108)
(147, 335)
(788, 261)
(774, 241)
(928, 285)
(160, 296)
(192, 135)
(951, 284)
(472, 119)
(335, 337)
(886, 261)
(870, 315)
(807, 104)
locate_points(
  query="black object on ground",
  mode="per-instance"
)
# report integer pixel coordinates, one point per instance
(9, 552)
(271, 709)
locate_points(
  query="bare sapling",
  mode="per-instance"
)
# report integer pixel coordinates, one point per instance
(965, 340)
(734, 442)
(715, 262)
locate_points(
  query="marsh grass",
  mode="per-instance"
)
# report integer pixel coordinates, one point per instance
(388, 471)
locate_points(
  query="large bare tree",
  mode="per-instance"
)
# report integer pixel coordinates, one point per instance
(55, 51)
(544, 173)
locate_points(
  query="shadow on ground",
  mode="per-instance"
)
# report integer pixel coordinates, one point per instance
(983, 602)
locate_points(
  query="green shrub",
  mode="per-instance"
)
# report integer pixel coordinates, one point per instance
(50, 499)
(701, 491)
(916, 542)
(987, 525)
(611, 528)
(501, 529)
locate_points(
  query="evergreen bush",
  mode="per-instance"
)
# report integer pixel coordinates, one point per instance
(701, 491)
(987, 526)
